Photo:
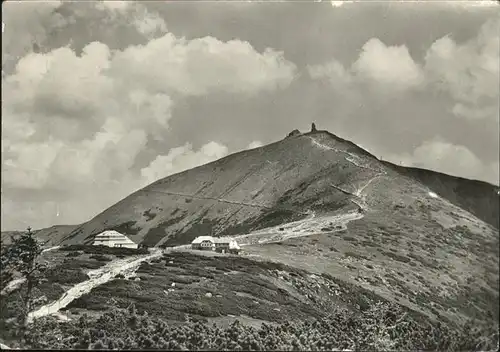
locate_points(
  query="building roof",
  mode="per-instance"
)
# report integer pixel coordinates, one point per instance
(200, 239)
(111, 235)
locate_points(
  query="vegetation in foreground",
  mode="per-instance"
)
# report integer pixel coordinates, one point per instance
(382, 327)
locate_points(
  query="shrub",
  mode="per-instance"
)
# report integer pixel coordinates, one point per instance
(101, 258)
(381, 327)
(74, 254)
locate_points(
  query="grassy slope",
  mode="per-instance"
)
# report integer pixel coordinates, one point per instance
(477, 197)
(65, 269)
(273, 184)
(265, 177)
(412, 249)
(262, 291)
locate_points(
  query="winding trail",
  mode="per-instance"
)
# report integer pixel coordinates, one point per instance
(355, 160)
(305, 227)
(97, 277)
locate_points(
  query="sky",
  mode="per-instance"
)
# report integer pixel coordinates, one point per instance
(99, 99)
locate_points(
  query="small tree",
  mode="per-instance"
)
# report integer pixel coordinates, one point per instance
(21, 257)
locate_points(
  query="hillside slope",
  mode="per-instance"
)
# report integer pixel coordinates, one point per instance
(51, 236)
(277, 183)
(477, 197)
(321, 204)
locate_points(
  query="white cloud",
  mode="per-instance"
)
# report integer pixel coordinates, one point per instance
(254, 144)
(451, 159)
(391, 66)
(382, 67)
(333, 70)
(180, 159)
(76, 123)
(149, 24)
(115, 5)
(204, 64)
(468, 72)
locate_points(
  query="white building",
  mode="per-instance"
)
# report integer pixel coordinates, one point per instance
(223, 245)
(113, 239)
(203, 243)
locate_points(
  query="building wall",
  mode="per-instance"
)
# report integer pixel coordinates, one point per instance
(114, 241)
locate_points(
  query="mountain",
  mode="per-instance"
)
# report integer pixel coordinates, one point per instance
(279, 183)
(319, 204)
(51, 236)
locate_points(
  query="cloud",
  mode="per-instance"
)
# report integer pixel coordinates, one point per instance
(379, 66)
(333, 71)
(453, 80)
(391, 66)
(468, 72)
(147, 22)
(254, 144)
(114, 5)
(180, 159)
(76, 123)
(451, 159)
(27, 23)
(193, 67)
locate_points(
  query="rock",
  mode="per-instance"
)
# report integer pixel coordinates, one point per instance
(294, 133)
(313, 127)
(173, 284)
(208, 295)
(137, 279)
(171, 262)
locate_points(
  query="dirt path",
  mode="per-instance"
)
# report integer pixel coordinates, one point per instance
(357, 161)
(97, 277)
(306, 227)
(352, 158)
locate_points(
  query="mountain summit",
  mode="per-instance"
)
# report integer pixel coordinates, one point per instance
(303, 174)
(323, 205)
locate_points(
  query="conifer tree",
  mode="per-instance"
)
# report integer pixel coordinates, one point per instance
(22, 257)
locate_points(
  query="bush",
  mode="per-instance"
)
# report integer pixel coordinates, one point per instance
(65, 276)
(383, 326)
(100, 258)
(74, 254)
